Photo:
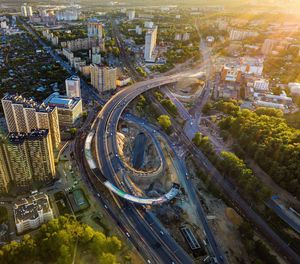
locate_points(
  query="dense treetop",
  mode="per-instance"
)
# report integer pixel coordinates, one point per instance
(267, 138)
(59, 241)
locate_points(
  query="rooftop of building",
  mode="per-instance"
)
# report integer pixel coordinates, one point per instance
(27, 103)
(94, 20)
(19, 138)
(73, 78)
(28, 208)
(62, 101)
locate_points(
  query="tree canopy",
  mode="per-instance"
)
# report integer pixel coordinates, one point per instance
(268, 139)
(164, 121)
(56, 242)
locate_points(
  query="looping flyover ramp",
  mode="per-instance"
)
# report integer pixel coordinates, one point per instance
(139, 200)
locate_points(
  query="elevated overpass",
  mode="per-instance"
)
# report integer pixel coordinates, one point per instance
(139, 200)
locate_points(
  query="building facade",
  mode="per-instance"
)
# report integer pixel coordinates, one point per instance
(103, 78)
(32, 212)
(69, 108)
(150, 44)
(26, 10)
(236, 34)
(268, 46)
(23, 115)
(27, 157)
(4, 172)
(131, 14)
(95, 29)
(73, 86)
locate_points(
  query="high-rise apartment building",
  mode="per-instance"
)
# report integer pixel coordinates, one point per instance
(4, 173)
(29, 11)
(28, 157)
(150, 44)
(26, 10)
(24, 115)
(103, 78)
(40, 150)
(18, 162)
(131, 14)
(73, 86)
(95, 29)
(268, 46)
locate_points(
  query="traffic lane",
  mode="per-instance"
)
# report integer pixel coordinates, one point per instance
(112, 122)
(182, 256)
(148, 235)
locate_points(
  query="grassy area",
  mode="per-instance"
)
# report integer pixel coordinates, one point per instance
(78, 200)
(62, 203)
(98, 220)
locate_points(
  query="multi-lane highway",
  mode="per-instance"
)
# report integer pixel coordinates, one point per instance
(107, 151)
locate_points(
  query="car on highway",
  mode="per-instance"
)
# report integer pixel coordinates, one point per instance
(161, 232)
(127, 234)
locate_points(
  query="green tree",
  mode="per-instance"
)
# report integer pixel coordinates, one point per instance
(164, 121)
(55, 243)
(170, 106)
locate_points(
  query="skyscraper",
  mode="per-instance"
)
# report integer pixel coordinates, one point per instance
(23, 115)
(103, 78)
(73, 86)
(27, 157)
(150, 44)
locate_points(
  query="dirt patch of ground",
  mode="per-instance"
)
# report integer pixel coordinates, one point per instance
(232, 215)
(226, 232)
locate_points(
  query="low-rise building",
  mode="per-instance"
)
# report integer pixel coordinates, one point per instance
(123, 81)
(148, 24)
(32, 212)
(294, 88)
(261, 85)
(237, 34)
(252, 65)
(69, 109)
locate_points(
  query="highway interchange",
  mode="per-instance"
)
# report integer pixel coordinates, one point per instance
(161, 249)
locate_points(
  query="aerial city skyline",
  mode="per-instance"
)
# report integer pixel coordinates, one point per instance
(162, 132)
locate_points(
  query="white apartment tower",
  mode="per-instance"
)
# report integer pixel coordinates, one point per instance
(73, 86)
(131, 14)
(150, 44)
(26, 10)
(103, 78)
